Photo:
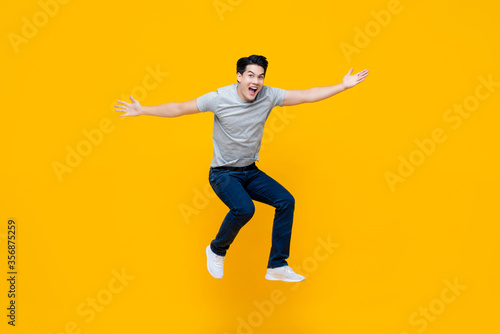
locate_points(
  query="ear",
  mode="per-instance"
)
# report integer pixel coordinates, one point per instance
(238, 76)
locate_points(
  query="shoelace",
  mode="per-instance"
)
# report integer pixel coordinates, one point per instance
(219, 260)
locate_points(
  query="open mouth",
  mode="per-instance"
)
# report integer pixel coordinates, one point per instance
(252, 91)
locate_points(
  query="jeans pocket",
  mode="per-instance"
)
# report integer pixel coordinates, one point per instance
(215, 174)
(219, 179)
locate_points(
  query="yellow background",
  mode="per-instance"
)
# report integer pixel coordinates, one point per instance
(120, 208)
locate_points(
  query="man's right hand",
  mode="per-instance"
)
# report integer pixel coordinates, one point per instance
(130, 109)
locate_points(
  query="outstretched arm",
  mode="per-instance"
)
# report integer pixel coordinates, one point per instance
(294, 97)
(170, 109)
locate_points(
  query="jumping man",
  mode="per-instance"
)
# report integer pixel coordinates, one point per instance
(240, 112)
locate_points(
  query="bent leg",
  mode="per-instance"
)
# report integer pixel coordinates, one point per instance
(228, 186)
(265, 189)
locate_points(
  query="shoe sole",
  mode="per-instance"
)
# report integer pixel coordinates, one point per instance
(208, 266)
(273, 278)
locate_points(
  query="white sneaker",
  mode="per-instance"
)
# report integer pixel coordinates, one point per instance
(283, 274)
(215, 263)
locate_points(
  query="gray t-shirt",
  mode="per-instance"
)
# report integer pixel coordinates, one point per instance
(238, 125)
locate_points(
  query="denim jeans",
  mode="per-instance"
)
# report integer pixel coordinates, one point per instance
(237, 189)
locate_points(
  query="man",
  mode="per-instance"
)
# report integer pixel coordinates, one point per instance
(240, 111)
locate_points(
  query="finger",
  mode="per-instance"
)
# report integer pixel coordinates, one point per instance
(132, 99)
(123, 102)
(350, 71)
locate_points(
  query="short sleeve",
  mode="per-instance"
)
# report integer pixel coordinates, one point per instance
(277, 95)
(207, 102)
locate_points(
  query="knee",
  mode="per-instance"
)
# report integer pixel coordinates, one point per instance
(287, 202)
(245, 211)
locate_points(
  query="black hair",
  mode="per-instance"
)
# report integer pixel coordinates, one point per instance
(242, 63)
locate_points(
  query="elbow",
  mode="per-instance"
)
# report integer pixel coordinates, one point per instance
(308, 97)
(175, 110)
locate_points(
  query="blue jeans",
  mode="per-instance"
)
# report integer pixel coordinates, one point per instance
(237, 189)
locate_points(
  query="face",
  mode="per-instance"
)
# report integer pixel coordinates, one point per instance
(250, 82)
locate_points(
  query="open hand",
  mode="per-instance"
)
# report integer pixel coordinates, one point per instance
(352, 80)
(130, 109)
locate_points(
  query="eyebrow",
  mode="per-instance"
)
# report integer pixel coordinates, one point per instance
(254, 73)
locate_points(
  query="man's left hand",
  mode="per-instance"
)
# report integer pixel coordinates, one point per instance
(352, 80)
